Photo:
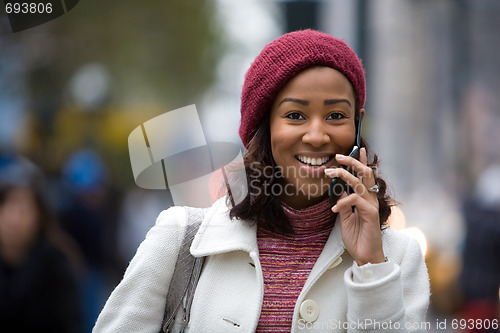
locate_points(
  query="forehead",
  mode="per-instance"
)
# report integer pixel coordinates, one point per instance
(318, 80)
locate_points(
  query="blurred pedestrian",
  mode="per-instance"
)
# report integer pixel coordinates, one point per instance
(89, 217)
(480, 277)
(38, 287)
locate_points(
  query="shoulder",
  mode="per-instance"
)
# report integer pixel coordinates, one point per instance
(172, 222)
(176, 215)
(171, 216)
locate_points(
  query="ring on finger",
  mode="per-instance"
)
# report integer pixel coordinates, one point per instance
(375, 188)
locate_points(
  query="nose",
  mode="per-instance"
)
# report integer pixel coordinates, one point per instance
(316, 134)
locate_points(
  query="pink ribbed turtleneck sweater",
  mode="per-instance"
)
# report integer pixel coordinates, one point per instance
(287, 261)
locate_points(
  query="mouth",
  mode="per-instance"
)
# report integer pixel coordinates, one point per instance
(314, 161)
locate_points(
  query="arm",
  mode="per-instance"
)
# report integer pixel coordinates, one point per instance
(391, 299)
(138, 302)
(394, 301)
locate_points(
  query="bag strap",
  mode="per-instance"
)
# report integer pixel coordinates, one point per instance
(186, 273)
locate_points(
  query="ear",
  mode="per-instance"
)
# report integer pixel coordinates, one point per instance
(362, 111)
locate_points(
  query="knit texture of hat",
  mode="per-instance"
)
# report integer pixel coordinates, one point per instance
(284, 58)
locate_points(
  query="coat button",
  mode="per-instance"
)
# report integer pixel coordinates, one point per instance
(368, 274)
(336, 263)
(309, 310)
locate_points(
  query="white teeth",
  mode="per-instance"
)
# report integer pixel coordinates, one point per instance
(313, 161)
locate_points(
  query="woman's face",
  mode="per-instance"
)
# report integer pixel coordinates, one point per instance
(18, 219)
(311, 120)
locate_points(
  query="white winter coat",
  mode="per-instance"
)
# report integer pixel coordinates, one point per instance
(229, 294)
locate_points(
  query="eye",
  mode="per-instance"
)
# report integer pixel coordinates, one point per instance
(335, 116)
(294, 116)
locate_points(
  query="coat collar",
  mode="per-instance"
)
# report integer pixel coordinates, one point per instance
(220, 234)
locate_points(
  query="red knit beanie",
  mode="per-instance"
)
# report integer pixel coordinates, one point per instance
(284, 58)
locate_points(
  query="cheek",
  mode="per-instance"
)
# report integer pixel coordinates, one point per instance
(276, 150)
(280, 140)
(281, 147)
(19, 218)
(344, 139)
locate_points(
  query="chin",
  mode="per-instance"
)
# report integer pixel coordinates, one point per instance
(317, 189)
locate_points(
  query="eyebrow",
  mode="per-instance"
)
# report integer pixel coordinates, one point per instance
(305, 102)
(337, 100)
(295, 100)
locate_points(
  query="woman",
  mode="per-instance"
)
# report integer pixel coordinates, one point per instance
(38, 287)
(283, 259)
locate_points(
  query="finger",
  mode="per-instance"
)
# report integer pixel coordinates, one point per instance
(348, 177)
(354, 182)
(346, 202)
(363, 158)
(341, 208)
(350, 162)
(362, 170)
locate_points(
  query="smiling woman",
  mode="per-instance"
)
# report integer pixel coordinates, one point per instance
(314, 87)
(311, 120)
(283, 259)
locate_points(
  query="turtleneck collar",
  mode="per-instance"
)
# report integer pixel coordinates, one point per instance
(313, 219)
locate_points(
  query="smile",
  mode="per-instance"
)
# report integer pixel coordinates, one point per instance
(313, 161)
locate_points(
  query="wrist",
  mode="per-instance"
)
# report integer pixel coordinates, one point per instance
(374, 260)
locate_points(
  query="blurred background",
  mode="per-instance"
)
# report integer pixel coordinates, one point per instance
(73, 89)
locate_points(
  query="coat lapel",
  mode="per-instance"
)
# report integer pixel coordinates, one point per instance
(219, 234)
(333, 249)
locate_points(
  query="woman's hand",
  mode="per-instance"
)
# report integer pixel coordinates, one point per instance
(360, 227)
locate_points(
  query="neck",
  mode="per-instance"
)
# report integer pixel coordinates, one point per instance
(314, 218)
(13, 255)
(302, 202)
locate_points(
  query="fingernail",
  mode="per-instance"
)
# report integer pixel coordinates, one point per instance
(330, 171)
(334, 208)
(339, 156)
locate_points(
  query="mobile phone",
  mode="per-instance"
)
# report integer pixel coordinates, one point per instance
(337, 184)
